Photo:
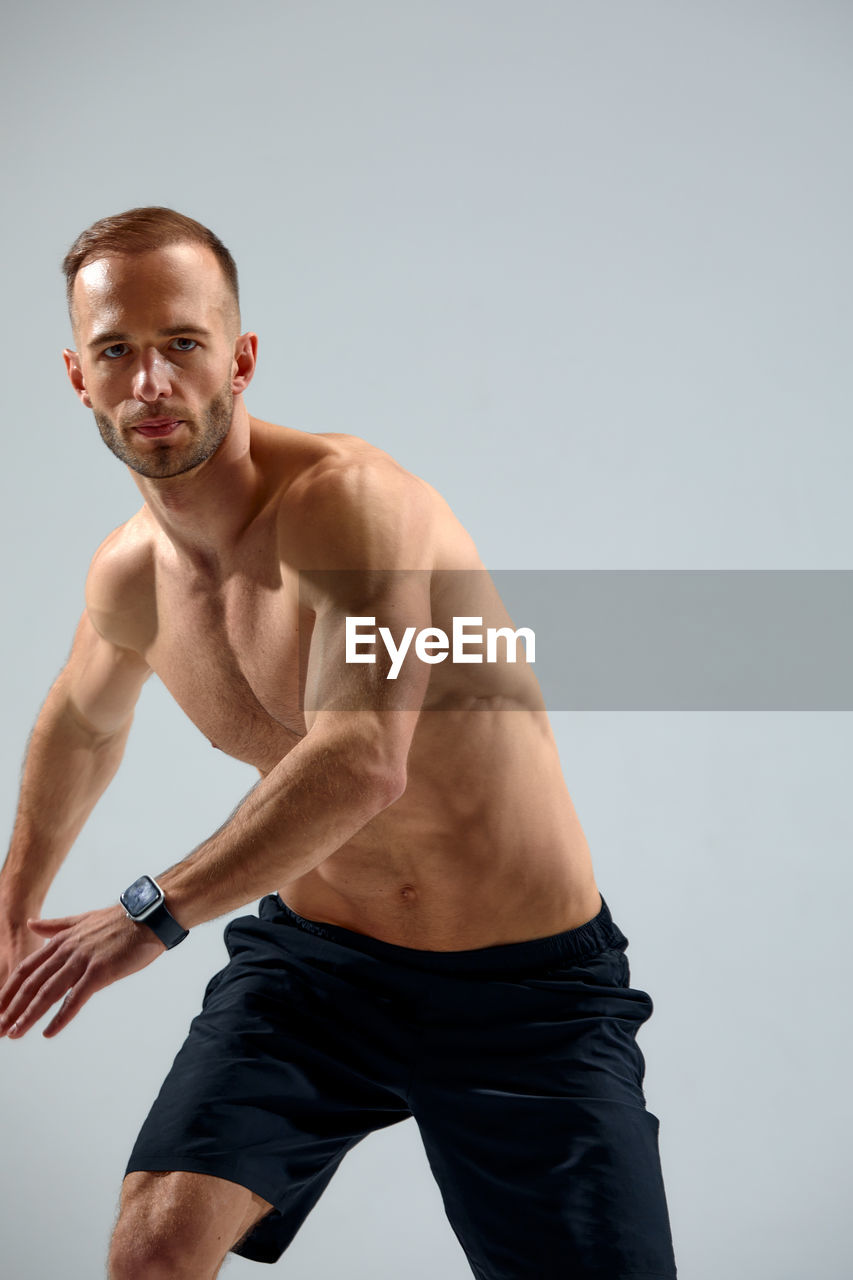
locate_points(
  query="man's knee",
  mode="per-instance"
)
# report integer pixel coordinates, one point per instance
(144, 1257)
(178, 1226)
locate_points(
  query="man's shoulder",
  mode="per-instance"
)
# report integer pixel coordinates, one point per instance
(318, 466)
(348, 468)
(354, 496)
(120, 581)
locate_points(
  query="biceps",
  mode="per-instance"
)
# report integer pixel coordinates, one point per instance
(102, 681)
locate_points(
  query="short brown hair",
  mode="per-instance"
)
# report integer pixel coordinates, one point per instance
(140, 231)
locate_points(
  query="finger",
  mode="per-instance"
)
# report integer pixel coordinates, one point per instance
(50, 926)
(24, 968)
(71, 1005)
(19, 974)
(44, 997)
(27, 978)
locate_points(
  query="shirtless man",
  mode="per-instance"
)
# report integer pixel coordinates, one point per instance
(430, 939)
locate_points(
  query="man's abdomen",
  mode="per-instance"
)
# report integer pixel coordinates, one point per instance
(483, 848)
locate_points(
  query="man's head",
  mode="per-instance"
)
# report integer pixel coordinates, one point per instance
(154, 309)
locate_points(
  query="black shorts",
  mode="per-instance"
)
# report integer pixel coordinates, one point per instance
(518, 1062)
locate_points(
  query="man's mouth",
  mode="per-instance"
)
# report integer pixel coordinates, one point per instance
(157, 426)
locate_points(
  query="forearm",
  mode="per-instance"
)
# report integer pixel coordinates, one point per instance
(67, 768)
(311, 803)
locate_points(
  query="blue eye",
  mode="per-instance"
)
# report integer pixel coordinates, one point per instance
(117, 347)
(191, 341)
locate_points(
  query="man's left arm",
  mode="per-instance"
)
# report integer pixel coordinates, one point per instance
(350, 765)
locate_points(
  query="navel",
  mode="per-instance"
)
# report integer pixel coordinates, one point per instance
(409, 893)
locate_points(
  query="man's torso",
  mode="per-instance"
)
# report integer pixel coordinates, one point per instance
(484, 847)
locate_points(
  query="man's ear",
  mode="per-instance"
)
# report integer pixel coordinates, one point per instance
(243, 362)
(75, 375)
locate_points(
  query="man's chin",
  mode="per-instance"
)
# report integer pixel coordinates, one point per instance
(154, 468)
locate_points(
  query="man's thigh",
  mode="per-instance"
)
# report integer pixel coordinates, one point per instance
(288, 1065)
(181, 1222)
(534, 1121)
(546, 1189)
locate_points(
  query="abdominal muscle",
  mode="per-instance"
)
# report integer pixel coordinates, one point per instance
(483, 848)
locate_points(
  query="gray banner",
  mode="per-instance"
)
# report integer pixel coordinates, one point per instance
(668, 640)
(688, 640)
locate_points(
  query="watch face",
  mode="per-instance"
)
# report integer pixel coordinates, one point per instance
(143, 893)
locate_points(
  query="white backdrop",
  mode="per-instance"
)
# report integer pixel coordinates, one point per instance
(587, 269)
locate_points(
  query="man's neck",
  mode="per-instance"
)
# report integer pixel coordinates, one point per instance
(204, 511)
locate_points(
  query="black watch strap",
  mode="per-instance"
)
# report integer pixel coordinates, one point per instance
(165, 926)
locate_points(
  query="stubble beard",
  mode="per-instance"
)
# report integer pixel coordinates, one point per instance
(168, 459)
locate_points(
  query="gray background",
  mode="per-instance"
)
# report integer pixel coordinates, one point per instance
(586, 268)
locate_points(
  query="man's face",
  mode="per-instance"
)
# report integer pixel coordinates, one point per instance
(155, 361)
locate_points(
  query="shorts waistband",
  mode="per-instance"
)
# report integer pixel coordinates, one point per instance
(597, 934)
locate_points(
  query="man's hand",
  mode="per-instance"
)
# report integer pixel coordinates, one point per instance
(16, 943)
(81, 955)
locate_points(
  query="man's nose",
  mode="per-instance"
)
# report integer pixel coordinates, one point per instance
(152, 378)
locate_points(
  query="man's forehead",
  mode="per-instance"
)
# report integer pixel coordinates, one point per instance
(178, 263)
(180, 272)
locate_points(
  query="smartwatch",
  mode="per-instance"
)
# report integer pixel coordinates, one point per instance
(145, 903)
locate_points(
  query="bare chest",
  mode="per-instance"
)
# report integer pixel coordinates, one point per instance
(228, 652)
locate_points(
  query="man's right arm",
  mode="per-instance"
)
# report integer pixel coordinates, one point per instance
(74, 751)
